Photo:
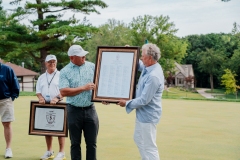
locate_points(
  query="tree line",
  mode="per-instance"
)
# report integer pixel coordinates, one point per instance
(49, 33)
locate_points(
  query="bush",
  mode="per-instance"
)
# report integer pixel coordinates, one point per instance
(24, 93)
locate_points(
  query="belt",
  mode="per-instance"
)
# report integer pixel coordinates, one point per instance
(82, 108)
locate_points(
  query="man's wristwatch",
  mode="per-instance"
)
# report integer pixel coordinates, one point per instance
(59, 98)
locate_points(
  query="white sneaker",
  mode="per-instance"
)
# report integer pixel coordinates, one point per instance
(60, 156)
(8, 153)
(47, 155)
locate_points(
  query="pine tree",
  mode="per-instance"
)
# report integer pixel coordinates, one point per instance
(49, 32)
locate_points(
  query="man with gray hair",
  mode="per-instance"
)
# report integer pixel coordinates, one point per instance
(147, 102)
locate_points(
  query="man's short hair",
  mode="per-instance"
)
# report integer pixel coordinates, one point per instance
(152, 50)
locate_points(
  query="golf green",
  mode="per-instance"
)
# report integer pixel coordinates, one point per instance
(188, 130)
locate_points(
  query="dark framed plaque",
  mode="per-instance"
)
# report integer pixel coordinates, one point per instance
(115, 73)
(48, 119)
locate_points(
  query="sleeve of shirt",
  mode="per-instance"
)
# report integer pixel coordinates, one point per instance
(38, 90)
(63, 81)
(14, 85)
(150, 88)
(93, 67)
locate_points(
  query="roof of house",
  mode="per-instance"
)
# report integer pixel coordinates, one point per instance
(182, 69)
(18, 70)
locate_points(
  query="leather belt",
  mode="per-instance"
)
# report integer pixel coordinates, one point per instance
(82, 108)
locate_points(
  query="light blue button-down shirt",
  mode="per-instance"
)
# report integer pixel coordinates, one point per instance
(72, 76)
(148, 103)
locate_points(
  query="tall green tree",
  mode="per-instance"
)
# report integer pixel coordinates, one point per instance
(234, 64)
(112, 33)
(210, 62)
(51, 32)
(229, 81)
(158, 30)
(11, 31)
(225, 43)
(236, 29)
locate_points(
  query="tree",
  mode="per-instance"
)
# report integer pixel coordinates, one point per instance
(229, 81)
(210, 62)
(160, 31)
(226, 43)
(234, 64)
(189, 81)
(52, 34)
(236, 29)
(10, 32)
(170, 78)
(112, 33)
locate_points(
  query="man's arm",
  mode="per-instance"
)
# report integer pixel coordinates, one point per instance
(151, 86)
(14, 85)
(74, 91)
(40, 98)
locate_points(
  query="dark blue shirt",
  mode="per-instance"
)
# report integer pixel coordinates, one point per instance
(9, 86)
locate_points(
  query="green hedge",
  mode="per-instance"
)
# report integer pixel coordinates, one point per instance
(24, 93)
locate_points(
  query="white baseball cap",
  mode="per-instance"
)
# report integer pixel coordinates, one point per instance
(76, 50)
(50, 57)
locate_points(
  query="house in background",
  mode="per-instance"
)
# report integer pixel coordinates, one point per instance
(184, 75)
(26, 77)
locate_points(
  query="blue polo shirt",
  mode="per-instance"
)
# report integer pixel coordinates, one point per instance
(72, 76)
(9, 86)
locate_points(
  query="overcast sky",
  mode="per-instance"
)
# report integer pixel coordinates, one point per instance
(189, 16)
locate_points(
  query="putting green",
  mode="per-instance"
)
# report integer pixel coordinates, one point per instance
(188, 130)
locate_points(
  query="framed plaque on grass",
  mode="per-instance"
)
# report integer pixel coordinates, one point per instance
(48, 119)
(115, 73)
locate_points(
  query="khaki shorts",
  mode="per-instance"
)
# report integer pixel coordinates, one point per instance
(7, 110)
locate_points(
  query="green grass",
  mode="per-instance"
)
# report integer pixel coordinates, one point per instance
(25, 93)
(188, 130)
(221, 91)
(220, 94)
(227, 96)
(177, 93)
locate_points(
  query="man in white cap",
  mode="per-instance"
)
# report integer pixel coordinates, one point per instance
(76, 83)
(48, 92)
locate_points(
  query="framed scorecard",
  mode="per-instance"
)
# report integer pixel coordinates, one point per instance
(115, 73)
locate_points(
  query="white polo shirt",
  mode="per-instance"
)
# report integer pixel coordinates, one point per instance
(48, 79)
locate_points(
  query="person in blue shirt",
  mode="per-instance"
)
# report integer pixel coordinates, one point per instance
(9, 90)
(147, 103)
(76, 83)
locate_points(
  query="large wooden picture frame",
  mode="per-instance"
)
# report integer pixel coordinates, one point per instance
(48, 119)
(115, 73)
